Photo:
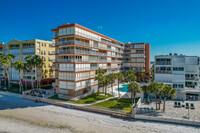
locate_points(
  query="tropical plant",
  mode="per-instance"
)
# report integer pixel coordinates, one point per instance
(107, 81)
(130, 75)
(152, 88)
(18, 65)
(160, 87)
(112, 78)
(30, 65)
(38, 63)
(152, 72)
(99, 77)
(5, 62)
(119, 77)
(167, 92)
(134, 88)
(145, 90)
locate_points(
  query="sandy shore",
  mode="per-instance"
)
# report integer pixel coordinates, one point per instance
(53, 119)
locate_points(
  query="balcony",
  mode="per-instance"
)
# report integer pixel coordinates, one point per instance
(163, 63)
(85, 44)
(52, 52)
(191, 78)
(77, 51)
(14, 47)
(163, 71)
(32, 46)
(29, 73)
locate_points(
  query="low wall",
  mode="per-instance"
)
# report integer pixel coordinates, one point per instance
(49, 101)
(170, 120)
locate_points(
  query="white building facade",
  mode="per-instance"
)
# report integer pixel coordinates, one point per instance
(181, 72)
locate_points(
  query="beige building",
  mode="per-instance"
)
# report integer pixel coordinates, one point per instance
(79, 53)
(20, 49)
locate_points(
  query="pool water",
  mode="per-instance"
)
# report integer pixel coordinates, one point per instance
(124, 89)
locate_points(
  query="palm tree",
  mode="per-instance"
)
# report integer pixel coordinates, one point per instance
(152, 87)
(130, 75)
(18, 65)
(160, 87)
(152, 72)
(25, 69)
(168, 92)
(119, 77)
(6, 62)
(30, 65)
(145, 90)
(107, 81)
(1, 60)
(112, 78)
(134, 88)
(38, 63)
(99, 77)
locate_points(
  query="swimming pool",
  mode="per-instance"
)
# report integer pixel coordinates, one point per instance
(124, 89)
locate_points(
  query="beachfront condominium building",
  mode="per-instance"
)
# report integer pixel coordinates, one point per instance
(181, 72)
(20, 49)
(79, 53)
(137, 57)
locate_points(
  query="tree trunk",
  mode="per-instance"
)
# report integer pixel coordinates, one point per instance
(112, 88)
(132, 97)
(156, 101)
(98, 89)
(164, 104)
(159, 101)
(118, 89)
(106, 89)
(8, 74)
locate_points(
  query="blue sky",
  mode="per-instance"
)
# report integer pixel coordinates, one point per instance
(170, 26)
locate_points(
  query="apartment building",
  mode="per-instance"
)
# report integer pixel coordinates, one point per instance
(79, 53)
(181, 72)
(20, 49)
(137, 57)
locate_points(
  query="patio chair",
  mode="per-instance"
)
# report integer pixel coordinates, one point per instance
(192, 106)
(175, 104)
(148, 110)
(187, 105)
(179, 104)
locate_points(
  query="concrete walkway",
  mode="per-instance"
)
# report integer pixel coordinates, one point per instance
(11, 94)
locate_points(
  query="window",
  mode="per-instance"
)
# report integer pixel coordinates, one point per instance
(178, 68)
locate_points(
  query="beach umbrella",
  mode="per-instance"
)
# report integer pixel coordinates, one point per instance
(148, 97)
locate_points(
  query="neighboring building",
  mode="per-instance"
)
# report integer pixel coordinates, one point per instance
(137, 57)
(2, 52)
(181, 72)
(80, 52)
(20, 49)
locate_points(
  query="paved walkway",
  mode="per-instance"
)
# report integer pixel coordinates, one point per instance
(11, 94)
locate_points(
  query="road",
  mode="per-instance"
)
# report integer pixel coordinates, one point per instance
(24, 116)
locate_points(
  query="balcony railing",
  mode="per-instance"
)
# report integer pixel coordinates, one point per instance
(85, 44)
(33, 46)
(191, 78)
(163, 63)
(51, 52)
(29, 73)
(163, 71)
(14, 48)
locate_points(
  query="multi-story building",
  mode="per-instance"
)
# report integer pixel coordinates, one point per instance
(181, 72)
(20, 49)
(79, 53)
(137, 57)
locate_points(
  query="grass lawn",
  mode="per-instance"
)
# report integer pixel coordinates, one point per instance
(116, 103)
(87, 100)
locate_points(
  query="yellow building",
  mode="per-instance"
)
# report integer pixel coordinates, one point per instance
(20, 49)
